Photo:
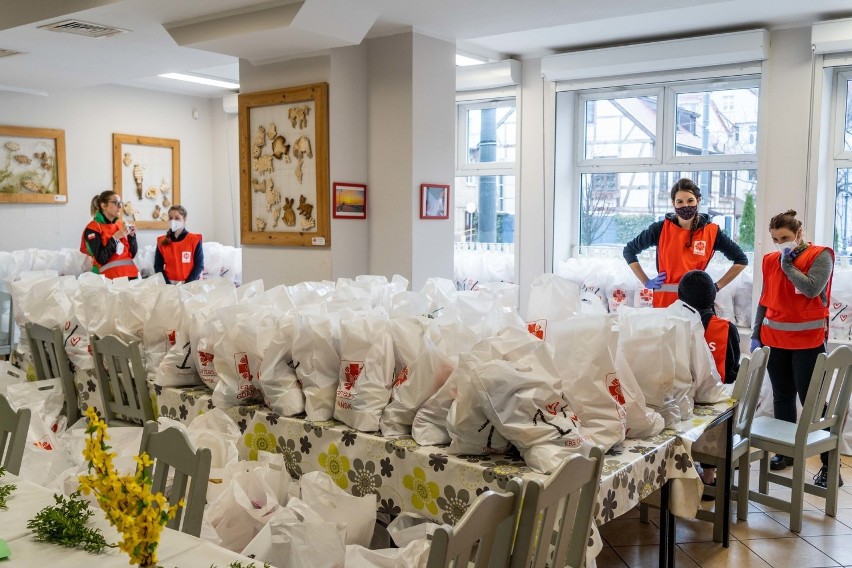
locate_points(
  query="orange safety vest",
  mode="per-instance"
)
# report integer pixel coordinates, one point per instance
(716, 336)
(120, 264)
(178, 256)
(675, 259)
(793, 321)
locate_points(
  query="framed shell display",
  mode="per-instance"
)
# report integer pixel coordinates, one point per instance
(32, 165)
(284, 188)
(146, 174)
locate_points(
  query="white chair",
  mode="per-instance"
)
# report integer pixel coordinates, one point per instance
(563, 509)
(171, 449)
(7, 333)
(746, 392)
(13, 435)
(483, 535)
(51, 361)
(817, 431)
(122, 380)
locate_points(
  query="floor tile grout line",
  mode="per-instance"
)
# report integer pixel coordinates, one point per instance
(800, 538)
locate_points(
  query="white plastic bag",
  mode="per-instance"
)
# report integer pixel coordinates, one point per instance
(316, 349)
(281, 389)
(336, 505)
(552, 298)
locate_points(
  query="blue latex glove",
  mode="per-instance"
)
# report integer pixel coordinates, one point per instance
(755, 344)
(655, 282)
(789, 254)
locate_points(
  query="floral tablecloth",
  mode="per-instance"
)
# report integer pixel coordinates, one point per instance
(428, 481)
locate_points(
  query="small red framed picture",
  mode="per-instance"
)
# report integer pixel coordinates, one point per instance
(350, 201)
(434, 201)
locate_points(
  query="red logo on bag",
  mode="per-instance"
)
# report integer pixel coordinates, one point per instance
(699, 248)
(205, 358)
(44, 444)
(552, 408)
(401, 377)
(843, 317)
(614, 387)
(537, 328)
(75, 341)
(242, 362)
(646, 295)
(619, 296)
(171, 336)
(351, 374)
(836, 307)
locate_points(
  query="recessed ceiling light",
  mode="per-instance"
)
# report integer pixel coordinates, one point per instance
(464, 60)
(201, 80)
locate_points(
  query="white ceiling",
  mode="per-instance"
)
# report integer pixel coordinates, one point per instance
(208, 37)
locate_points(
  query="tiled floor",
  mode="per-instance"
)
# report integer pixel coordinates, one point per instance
(763, 541)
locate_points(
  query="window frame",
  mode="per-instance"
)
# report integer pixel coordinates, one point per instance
(465, 168)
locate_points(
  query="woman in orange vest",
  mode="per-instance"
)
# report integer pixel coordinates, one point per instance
(697, 290)
(792, 319)
(110, 242)
(179, 253)
(685, 240)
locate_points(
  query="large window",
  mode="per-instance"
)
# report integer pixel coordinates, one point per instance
(842, 163)
(484, 192)
(632, 145)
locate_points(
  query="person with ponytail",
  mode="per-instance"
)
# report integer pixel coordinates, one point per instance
(792, 319)
(109, 241)
(685, 240)
(179, 253)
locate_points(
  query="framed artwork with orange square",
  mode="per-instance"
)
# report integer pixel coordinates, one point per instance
(350, 201)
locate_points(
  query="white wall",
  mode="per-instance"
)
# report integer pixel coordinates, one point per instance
(89, 117)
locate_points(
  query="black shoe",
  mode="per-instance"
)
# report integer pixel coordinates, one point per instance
(821, 478)
(779, 462)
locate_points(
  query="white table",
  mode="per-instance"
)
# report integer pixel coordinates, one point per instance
(176, 550)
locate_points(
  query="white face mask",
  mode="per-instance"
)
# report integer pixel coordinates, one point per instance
(786, 246)
(176, 226)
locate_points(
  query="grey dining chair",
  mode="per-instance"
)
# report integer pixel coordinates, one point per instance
(171, 449)
(818, 430)
(13, 435)
(482, 536)
(556, 517)
(122, 382)
(51, 362)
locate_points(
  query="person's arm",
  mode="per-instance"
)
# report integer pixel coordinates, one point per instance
(131, 239)
(759, 314)
(644, 240)
(814, 282)
(160, 264)
(732, 252)
(197, 263)
(732, 355)
(99, 251)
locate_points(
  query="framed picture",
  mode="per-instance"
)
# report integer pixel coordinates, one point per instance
(434, 201)
(32, 165)
(146, 174)
(350, 201)
(284, 197)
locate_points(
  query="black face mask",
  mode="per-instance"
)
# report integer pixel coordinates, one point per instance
(686, 213)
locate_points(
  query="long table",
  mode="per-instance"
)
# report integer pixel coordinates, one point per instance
(176, 549)
(428, 481)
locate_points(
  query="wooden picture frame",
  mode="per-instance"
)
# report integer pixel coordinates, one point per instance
(32, 165)
(146, 174)
(350, 200)
(434, 201)
(284, 193)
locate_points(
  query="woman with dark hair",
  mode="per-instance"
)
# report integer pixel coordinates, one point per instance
(110, 242)
(685, 240)
(792, 319)
(179, 253)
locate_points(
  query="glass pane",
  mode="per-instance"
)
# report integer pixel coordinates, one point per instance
(716, 122)
(615, 207)
(484, 218)
(491, 134)
(621, 128)
(847, 131)
(842, 213)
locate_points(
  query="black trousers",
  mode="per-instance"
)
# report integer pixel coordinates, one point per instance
(790, 374)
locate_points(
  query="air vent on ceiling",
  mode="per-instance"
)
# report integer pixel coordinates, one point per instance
(83, 28)
(8, 52)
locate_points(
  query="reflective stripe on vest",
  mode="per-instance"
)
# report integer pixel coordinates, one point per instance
(669, 288)
(115, 264)
(794, 326)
